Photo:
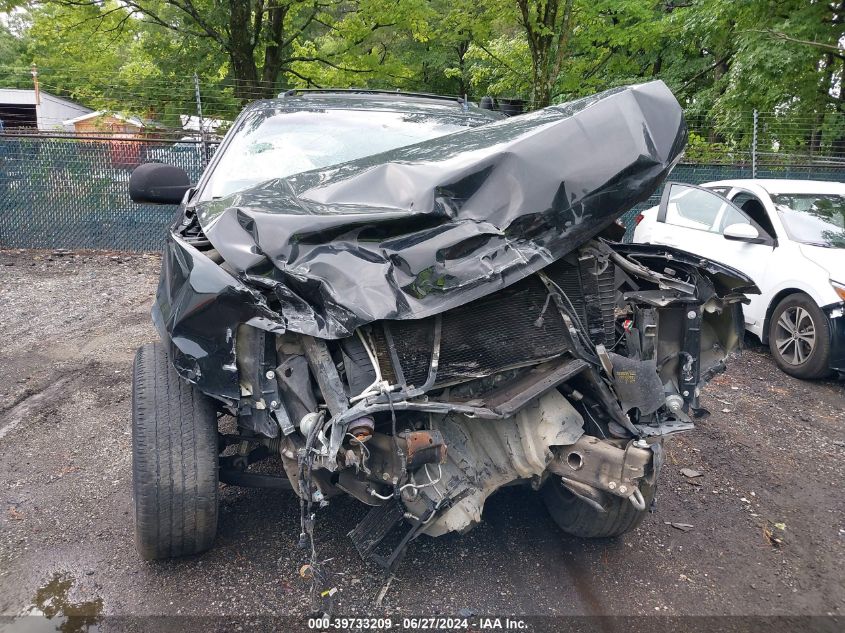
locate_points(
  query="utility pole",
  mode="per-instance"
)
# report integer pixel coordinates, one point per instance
(34, 72)
(37, 89)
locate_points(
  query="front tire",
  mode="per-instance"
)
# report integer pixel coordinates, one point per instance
(575, 516)
(174, 460)
(799, 337)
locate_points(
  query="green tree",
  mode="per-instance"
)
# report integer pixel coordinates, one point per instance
(548, 27)
(782, 57)
(722, 59)
(13, 56)
(258, 37)
(607, 43)
(403, 44)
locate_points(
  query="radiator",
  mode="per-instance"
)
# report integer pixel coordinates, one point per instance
(515, 327)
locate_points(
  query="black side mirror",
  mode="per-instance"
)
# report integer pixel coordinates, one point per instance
(158, 183)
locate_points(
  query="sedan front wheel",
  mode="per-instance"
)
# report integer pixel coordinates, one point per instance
(799, 337)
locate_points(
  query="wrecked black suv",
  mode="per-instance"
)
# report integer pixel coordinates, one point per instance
(415, 302)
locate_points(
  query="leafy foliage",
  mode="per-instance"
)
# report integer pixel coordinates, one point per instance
(722, 59)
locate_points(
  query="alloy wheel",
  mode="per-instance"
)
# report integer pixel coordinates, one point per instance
(795, 335)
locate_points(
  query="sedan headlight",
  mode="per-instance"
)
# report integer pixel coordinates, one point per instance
(838, 288)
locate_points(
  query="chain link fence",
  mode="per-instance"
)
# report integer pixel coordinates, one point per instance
(70, 190)
(65, 192)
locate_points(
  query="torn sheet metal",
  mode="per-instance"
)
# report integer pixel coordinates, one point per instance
(198, 309)
(421, 229)
(723, 281)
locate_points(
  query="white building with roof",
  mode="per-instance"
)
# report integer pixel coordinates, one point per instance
(37, 109)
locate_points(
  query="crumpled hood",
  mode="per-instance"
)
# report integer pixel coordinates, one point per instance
(426, 227)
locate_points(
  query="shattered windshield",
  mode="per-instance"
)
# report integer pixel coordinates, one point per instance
(813, 218)
(274, 143)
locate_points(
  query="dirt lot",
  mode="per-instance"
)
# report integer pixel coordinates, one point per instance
(767, 516)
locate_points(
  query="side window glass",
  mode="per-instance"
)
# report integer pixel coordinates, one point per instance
(732, 215)
(694, 208)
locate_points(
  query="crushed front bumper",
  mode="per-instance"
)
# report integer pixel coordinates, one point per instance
(836, 320)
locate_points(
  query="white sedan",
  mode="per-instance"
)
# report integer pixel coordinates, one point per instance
(789, 237)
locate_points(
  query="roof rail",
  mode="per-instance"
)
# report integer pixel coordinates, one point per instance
(370, 91)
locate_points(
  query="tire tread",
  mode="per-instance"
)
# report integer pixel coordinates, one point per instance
(576, 517)
(174, 460)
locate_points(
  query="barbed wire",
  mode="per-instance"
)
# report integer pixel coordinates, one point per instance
(165, 109)
(260, 87)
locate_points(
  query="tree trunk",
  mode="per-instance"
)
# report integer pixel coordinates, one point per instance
(241, 51)
(548, 42)
(540, 82)
(273, 52)
(462, 48)
(838, 146)
(719, 70)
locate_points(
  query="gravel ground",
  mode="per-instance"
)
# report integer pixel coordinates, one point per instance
(767, 514)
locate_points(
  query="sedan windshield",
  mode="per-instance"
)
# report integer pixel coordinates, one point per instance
(274, 143)
(813, 218)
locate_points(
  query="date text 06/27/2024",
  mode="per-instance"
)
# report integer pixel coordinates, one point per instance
(417, 623)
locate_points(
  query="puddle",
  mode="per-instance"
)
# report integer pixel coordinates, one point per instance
(53, 610)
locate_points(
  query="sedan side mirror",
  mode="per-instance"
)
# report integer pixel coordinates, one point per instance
(158, 183)
(743, 233)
